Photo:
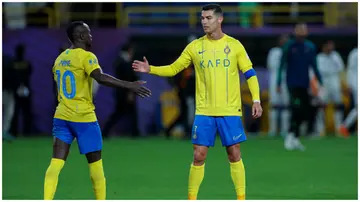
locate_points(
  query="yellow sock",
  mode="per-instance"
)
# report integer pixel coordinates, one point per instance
(51, 178)
(196, 176)
(237, 171)
(98, 179)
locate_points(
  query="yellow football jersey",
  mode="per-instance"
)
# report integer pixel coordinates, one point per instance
(217, 64)
(72, 70)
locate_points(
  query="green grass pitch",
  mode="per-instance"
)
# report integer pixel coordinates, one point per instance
(154, 168)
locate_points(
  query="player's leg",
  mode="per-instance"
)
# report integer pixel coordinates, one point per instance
(89, 140)
(311, 119)
(8, 111)
(232, 134)
(274, 103)
(285, 113)
(203, 136)
(16, 116)
(304, 113)
(336, 96)
(62, 141)
(351, 117)
(97, 175)
(197, 171)
(295, 119)
(320, 121)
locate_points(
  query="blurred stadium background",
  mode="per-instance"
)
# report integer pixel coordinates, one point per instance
(153, 167)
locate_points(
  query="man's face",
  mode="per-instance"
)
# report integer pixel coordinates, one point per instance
(210, 21)
(331, 46)
(301, 30)
(328, 47)
(87, 36)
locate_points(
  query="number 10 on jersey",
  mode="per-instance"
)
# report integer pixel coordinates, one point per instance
(72, 91)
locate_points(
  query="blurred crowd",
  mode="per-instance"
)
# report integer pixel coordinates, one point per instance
(339, 79)
(37, 14)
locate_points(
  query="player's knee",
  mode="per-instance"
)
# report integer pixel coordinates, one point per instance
(234, 157)
(234, 154)
(93, 156)
(199, 156)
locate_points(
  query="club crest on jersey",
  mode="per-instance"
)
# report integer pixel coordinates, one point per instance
(227, 50)
(92, 61)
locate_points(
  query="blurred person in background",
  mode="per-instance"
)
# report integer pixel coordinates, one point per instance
(185, 83)
(352, 78)
(190, 89)
(299, 54)
(23, 70)
(124, 98)
(190, 95)
(330, 66)
(312, 128)
(8, 99)
(279, 101)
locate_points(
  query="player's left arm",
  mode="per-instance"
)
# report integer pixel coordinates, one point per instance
(245, 65)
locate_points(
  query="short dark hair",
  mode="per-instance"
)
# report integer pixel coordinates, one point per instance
(215, 7)
(71, 29)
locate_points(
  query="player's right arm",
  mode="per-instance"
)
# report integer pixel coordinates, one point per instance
(180, 64)
(93, 69)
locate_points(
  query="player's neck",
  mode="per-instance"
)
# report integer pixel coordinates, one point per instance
(218, 34)
(77, 45)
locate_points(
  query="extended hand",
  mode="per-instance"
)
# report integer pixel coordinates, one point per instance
(256, 110)
(141, 66)
(140, 90)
